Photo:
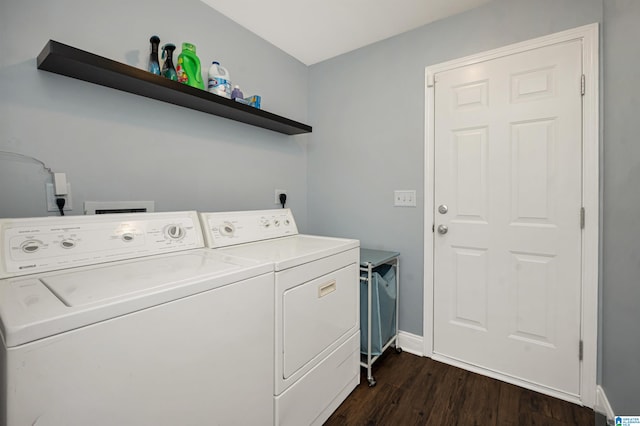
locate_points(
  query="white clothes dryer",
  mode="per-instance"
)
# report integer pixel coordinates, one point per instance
(317, 327)
(128, 320)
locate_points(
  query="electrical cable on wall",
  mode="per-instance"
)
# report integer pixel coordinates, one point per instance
(60, 201)
(28, 157)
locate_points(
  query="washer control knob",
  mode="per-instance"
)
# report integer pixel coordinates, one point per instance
(127, 237)
(276, 222)
(264, 222)
(31, 246)
(175, 232)
(68, 243)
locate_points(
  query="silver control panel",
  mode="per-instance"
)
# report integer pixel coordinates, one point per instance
(223, 229)
(43, 244)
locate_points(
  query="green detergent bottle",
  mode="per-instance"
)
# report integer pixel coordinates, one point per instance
(188, 69)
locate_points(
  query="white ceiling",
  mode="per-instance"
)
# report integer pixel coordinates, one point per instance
(315, 30)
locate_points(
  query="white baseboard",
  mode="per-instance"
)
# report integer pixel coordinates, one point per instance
(411, 343)
(602, 404)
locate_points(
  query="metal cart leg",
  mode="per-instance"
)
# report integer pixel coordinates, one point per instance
(397, 266)
(370, 378)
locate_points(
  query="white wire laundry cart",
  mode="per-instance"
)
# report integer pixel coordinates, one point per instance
(371, 263)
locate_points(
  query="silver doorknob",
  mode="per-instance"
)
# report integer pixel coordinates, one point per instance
(443, 229)
(443, 209)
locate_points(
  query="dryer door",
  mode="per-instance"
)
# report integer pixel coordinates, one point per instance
(317, 314)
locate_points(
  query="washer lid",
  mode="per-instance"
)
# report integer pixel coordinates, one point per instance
(43, 305)
(113, 282)
(291, 251)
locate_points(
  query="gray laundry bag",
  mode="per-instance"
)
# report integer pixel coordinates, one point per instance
(384, 293)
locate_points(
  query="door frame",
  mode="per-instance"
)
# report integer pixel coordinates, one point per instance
(589, 36)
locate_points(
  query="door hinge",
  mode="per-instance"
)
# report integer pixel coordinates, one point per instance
(580, 350)
(582, 84)
(433, 228)
(581, 217)
(431, 80)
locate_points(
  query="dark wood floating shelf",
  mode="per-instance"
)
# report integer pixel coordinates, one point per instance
(71, 62)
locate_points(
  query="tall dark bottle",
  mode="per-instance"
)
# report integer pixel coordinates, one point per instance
(168, 70)
(154, 63)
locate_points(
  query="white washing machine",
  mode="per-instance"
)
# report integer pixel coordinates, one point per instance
(317, 329)
(128, 320)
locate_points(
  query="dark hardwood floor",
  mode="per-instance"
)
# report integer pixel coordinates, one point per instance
(413, 390)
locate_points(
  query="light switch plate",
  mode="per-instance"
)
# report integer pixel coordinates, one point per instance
(404, 198)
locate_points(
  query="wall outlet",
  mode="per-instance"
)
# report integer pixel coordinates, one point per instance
(51, 198)
(277, 196)
(404, 198)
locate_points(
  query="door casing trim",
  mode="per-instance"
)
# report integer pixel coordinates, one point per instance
(589, 36)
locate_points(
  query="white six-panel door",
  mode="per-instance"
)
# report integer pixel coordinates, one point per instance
(507, 173)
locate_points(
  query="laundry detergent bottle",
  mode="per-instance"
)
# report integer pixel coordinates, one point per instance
(188, 70)
(219, 80)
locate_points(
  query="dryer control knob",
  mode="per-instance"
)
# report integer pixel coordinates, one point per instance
(175, 232)
(227, 229)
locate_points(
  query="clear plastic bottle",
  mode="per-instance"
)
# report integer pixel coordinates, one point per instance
(219, 80)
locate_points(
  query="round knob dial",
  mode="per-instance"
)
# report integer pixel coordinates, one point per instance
(264, 222)
(31, 246)
(175, 232)
(127, 236)
(68, 243)
(227, 228)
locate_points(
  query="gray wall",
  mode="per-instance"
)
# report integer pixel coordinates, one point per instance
(621, 242)
(367, 107)
(118, 146)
